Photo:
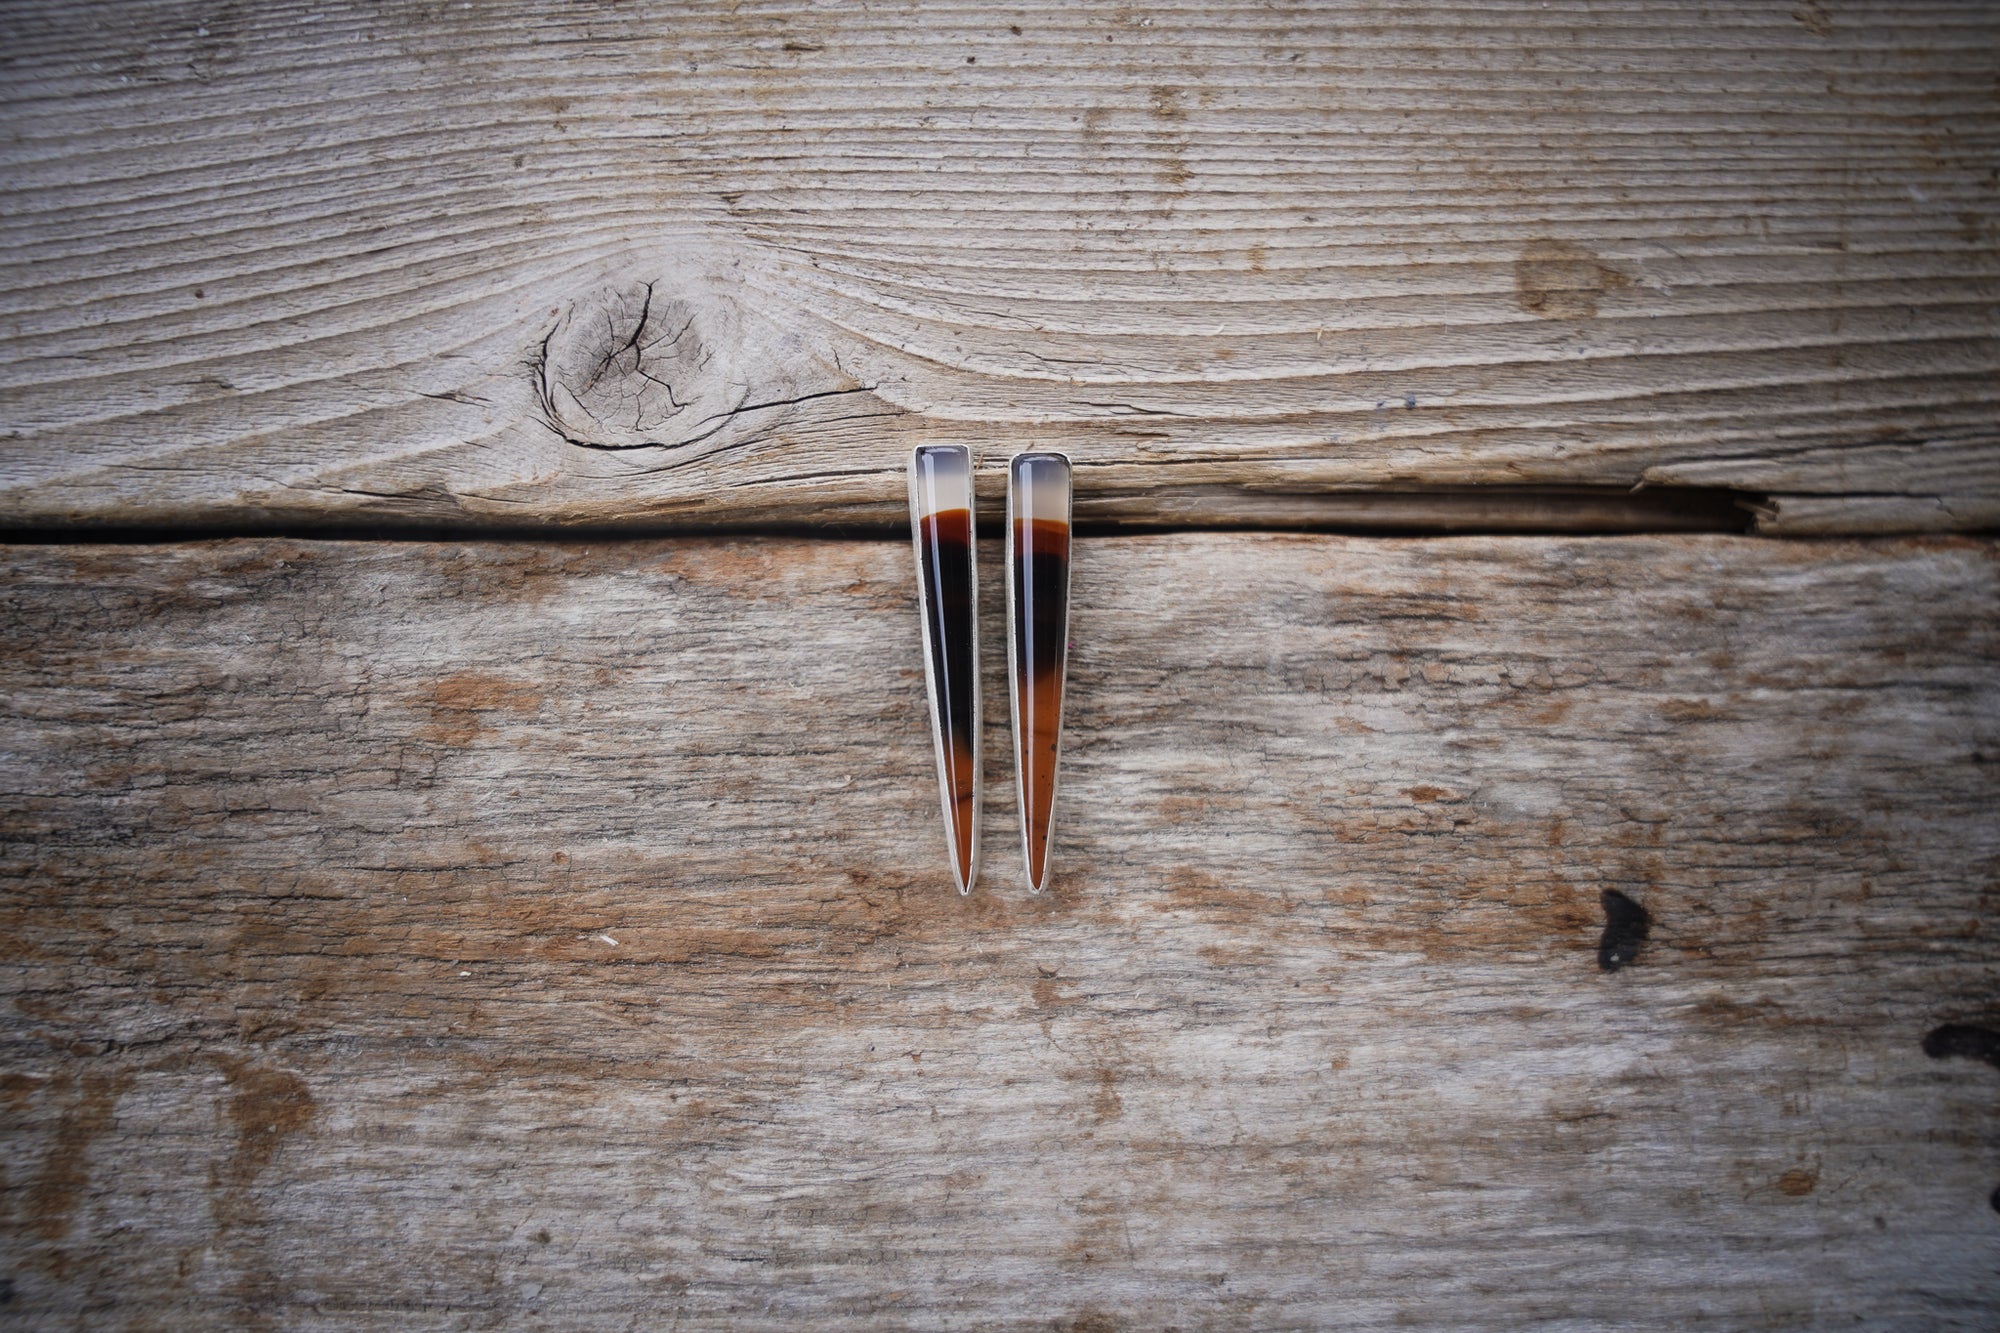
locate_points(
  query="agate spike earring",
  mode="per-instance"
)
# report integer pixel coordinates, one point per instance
(948, 595)
(1038, 550)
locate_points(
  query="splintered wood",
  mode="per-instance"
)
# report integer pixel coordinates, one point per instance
(556, 937)
(515, 262)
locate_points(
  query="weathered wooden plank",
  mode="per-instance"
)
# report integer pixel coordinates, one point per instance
(460, 936)
(713, 263)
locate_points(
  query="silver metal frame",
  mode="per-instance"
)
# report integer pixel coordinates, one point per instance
(1014, 685)
(964, 875)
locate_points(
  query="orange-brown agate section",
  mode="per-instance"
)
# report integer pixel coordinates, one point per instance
(1041, 626)
(945, 547)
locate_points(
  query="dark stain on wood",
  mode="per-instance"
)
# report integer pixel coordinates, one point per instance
(1626, 925)
(1964, 1040)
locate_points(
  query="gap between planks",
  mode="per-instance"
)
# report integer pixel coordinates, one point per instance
(1468, 511)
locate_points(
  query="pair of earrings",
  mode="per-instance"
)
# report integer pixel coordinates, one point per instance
(1038, 513)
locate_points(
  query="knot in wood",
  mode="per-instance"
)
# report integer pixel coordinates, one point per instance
(1562, 280)
(635, 367)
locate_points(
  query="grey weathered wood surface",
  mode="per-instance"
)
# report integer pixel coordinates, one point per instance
(506, 261)
(532, 936)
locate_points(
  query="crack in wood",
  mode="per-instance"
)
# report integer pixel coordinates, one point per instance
(1463, 511)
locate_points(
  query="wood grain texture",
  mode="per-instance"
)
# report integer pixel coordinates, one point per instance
(724, 263)
(476, 936)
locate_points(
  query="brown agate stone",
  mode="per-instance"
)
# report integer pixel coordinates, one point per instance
(941, 515)
(1038, 505)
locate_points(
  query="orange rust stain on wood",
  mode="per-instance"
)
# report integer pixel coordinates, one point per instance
(1724, 1012)
(478, 691)
(15, 944)
(1049, 995)
(458, 701)
(266, 1106)
(1507, 912)
(1196, 890)
(718, 944)
(1177, 810)
(1562, 280)
(59, 1186)
(891, 908)
(1106, 1105)
(755, 570)
(1222, 955)
(17, 1091)
(1798, 1182)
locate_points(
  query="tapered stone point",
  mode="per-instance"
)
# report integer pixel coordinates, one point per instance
(948, 598)
(1038, 561)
